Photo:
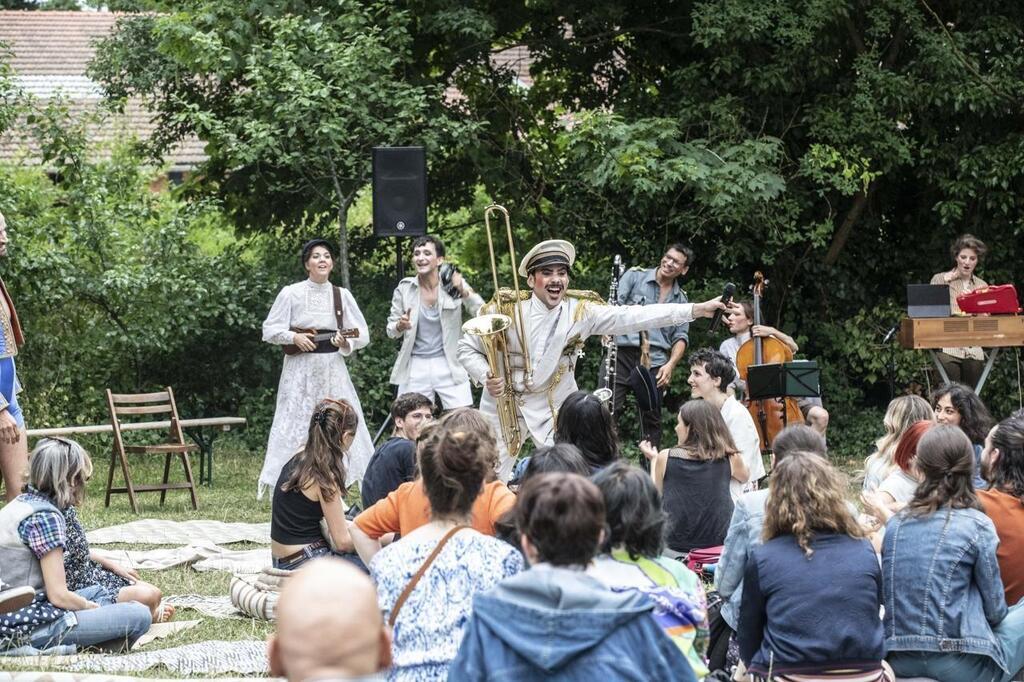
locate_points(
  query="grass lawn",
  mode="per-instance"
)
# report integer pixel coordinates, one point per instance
(231, 498)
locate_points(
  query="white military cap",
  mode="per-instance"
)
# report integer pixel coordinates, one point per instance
(549, 252)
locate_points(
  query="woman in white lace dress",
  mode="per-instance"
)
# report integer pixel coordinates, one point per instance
(319, 370)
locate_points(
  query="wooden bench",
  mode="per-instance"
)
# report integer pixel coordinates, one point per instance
(192, 427)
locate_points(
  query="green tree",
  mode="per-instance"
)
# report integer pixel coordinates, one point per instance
(289, 98)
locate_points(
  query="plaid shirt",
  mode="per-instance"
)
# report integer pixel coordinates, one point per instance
(957, 287)
(43, 531)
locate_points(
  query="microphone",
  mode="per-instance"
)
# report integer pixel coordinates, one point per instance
(730, 291)
(895, 328)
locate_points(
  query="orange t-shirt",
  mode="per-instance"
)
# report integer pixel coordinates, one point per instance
(407, 508)
(1007, 514)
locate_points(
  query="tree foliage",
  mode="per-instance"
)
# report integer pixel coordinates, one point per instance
(289, 98)
(839, 145)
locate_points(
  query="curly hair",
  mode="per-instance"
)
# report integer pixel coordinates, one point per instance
(968, 241)
(945, 458)
(975, 419)
(716, 365)
(807, 497)
(321, 461)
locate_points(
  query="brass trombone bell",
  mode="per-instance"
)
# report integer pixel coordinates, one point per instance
(486, 327)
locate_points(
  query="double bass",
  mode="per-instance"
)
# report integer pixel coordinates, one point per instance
(771, 415)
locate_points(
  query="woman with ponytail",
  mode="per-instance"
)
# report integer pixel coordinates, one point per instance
(426, 581)
(310, 487)
(945, 614)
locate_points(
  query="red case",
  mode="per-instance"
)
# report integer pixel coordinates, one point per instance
(997, 300)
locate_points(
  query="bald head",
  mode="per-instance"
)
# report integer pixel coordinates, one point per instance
(328, 624)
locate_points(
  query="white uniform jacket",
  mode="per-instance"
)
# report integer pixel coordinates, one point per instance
(555, 338)
(407, 297)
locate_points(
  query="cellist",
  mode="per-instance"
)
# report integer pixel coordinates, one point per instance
(742, 327)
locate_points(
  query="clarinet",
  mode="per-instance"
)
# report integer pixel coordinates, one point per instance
(611, 356)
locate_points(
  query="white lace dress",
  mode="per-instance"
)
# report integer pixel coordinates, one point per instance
(307, 378)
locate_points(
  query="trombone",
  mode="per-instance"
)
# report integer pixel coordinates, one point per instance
(492, 330)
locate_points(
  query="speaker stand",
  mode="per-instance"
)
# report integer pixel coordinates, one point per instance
(399, 259)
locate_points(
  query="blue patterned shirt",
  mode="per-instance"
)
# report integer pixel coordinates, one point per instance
(430, 625)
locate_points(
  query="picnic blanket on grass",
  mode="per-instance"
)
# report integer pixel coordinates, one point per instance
(163, 532)
(202, 557)
(203, 658)
(214, 606)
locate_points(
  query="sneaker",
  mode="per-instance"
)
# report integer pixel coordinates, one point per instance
(16, 598)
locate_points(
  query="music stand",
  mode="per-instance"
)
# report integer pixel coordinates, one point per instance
(798, 379)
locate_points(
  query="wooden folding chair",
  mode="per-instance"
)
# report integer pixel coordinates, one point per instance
(132, 404)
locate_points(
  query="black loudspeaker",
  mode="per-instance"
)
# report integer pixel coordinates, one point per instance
(399, 191)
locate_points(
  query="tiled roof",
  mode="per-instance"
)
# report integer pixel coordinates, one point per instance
(51, 51)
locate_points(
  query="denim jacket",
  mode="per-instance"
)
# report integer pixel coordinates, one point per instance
(744, 533)
(407, 297)
(942, 588)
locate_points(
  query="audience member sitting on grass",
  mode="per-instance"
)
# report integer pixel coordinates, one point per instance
(33, 537)
(584, 421)
(945, 611)
(310, 488)
(899, 416)
(812, 589)
(329, 626)
(426, 580)
(958, 405)
(83, 567)
(899, 487)
(394, 462)
(710, 375)
(557, 458)
(694, 476)
(407, 508)
(631, 560)
(554, 622)
(1002, 465)
(743, 535)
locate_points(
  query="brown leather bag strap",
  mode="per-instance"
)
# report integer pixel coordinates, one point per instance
(339, 313)
(419, 574)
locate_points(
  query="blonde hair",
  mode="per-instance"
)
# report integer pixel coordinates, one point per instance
(806, 497)
(59, 468)
(899, 416)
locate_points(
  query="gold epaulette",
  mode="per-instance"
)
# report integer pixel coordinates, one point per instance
(506, 297)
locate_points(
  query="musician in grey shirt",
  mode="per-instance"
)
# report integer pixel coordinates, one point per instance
(666, 344)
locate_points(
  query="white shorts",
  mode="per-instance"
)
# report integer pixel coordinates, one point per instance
(430, 377)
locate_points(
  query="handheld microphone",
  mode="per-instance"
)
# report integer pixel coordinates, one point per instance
(730, 291)
(892, 331)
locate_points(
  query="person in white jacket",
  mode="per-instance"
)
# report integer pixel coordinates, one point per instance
(557, 322)
(427, 315)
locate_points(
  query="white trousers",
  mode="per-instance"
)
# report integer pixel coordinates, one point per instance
(430, 377)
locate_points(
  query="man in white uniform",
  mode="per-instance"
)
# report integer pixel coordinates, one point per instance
(556, 322)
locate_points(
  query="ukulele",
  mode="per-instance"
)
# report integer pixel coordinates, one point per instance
(319, 337)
